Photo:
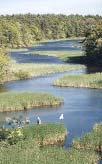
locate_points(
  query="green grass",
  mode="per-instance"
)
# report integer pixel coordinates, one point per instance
(43, 134)
(22, 101)
(35, 70)
(28, 152)
(46, 134)
(91, 141)
(85, 81)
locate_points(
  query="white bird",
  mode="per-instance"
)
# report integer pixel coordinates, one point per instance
(38, 120)
(61, 117)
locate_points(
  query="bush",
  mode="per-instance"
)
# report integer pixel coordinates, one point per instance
(15, 136)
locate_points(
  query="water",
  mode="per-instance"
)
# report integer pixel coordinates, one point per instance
(67, 45)
(22, 58)
(58, 46)
(82, 108)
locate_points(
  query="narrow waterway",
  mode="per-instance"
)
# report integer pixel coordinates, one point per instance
(82, 108)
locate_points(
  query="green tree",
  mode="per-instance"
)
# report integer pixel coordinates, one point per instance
(93, 44)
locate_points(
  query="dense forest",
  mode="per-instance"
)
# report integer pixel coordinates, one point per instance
(23, 30)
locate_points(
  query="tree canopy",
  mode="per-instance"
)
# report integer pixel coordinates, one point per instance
(22, 30)
(93, 44)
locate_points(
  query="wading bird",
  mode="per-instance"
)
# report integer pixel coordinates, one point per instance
(38, 120)
(61, 117)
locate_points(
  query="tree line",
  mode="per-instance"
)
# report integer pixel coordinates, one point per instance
(22, 30)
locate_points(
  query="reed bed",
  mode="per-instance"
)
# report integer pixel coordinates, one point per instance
(91, 141)
(36, 70)
(84, 81)
(12, 101)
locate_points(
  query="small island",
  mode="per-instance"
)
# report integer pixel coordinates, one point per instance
(23, 101)
(81, 81)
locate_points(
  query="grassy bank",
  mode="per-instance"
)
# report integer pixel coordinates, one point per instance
(25, 71)
(46, 134)
(85, 81)
(43, 134)
(29, 150)
(23, 101)
(91, 141)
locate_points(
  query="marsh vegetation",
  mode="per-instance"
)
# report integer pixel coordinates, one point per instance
(84, 81)
(35, 70)
(22, 101)
(29, 142)
(91, 141)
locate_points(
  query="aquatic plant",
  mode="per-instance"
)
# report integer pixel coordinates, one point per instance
(12, 101)
(85, 81)
(36, 70)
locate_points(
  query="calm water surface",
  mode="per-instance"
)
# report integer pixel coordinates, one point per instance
(82, 108)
